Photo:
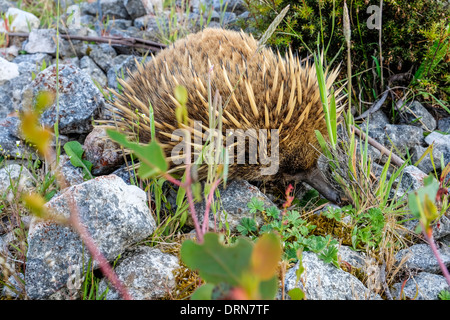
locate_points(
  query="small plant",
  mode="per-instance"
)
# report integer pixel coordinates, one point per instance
(241, 271)
(444, 295)
(424, 204)
(369, 228)
(295, 232)
(247, 227)
(75, 152)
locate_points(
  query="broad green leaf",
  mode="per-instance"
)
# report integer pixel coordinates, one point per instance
(268, 289)
(416, 199)
(154, 163)
(151, 156)
(296, 294)
(75, 152)
(216, 262)
(265, 256)
(204, 292)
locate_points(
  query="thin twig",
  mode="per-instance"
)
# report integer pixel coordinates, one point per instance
(130, 42)
(394, 158)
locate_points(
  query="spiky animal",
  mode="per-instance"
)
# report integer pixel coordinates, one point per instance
(264, 90)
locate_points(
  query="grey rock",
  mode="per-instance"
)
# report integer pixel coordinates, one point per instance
(41, 41)
(236, 6)
(403, 137)
(132, 32)
(119, 24)
(244, 15)
(5, 5)
(79, 99)
(147, 273)
(135, 8)
(148, 23)
(72, 175)
(126, 173)
(415, 114)
(11, 92)
(115, 215)
(121, 64)
(412, 179)
(215, 16)
(444, 125)
(23, 21)
(228, 18)
(20, 177)
(87, 20)
(420, 257)
(376, 119)
(424, 286)
(441, 228)
(8, 70)
(354, 258)
(321, 281)
(74, 61)
(13, 289)
(103, 55)
(11, 145)
(426, 165)
(64, 4)
(102, 152)
(73, 17)
(91, 68)
(112, 8)
(441, 143)
(82, 48)
(438, 139)
(378, 169)
(35, 58)
(234, 200)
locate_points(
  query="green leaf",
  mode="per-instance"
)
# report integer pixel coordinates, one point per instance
(75, 152)
(216, 262)
(204, 292)
(151, 156)
(273, 212)
(268, 289)
(265, 256)
(296, 294)
(330, 254)
(421, 201)
(247, 225)
(255, 205)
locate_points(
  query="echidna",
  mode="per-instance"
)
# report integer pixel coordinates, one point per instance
(264, 90)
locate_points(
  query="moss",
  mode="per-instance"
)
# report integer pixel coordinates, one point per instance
(409, 29)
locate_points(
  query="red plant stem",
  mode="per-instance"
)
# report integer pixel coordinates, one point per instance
(208, 206)
(171, 179)
(429, 237)
(187, 186)
(95, 252)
